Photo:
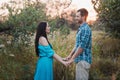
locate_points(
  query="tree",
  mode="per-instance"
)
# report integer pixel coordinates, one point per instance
(108, 15)
(55, 9)
(22, 22)
(16, 41)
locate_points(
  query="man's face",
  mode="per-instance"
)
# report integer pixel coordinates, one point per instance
(79, 18)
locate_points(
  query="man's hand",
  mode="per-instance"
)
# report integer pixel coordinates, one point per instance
(67, 58)
(70, 61)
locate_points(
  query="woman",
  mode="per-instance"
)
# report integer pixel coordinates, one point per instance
(44, 67)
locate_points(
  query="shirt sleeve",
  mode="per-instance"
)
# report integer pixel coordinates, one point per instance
(84, 38)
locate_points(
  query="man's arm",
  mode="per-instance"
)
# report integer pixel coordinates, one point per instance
(77, 52)
(70, 55)
(82, 45)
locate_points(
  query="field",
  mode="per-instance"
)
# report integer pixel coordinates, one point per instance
(18, 63)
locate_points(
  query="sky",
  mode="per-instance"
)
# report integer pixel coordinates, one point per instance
(88, 5)
(77, 4)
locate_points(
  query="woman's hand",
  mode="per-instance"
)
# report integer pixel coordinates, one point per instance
(67, 58)
(65, 63)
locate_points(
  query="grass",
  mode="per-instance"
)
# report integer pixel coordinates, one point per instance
(19, 63)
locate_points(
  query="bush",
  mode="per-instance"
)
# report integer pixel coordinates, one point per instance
(108, 17)
(22, 23)
(17, 63)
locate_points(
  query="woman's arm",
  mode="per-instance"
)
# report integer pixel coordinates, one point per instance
(44, 42)
(58, 58)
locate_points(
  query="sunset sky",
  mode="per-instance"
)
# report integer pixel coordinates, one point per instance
(76, 4)
(88, 5)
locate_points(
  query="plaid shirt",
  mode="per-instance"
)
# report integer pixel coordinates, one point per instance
(84, 41)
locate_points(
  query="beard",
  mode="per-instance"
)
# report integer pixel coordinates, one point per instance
(80, 21)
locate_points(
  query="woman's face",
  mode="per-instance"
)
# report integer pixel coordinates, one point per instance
(47, 29)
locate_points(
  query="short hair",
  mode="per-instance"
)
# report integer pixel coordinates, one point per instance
(83, 12)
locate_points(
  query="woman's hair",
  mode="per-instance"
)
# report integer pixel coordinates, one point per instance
(40, 32)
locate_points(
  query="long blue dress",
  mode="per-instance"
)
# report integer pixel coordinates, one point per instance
(44, 67)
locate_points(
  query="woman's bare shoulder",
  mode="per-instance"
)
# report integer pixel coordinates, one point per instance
(43, 41)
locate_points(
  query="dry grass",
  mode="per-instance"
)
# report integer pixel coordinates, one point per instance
(21, 66)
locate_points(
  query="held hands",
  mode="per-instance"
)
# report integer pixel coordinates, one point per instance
(67, 58)
(67, 61)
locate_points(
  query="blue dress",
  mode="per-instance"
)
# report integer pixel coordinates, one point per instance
(44, 67)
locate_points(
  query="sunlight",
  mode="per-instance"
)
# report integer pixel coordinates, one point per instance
(76, 4)
(1, 1)
(88, 5)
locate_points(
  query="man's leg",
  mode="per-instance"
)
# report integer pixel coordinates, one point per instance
(82, 70)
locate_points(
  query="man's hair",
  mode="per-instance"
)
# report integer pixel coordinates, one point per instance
(83, 12)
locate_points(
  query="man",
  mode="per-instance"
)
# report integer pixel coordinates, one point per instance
(81, 53)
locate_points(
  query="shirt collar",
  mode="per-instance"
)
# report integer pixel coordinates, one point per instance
(83, 24)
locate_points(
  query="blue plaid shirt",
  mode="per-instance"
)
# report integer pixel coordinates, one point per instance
(84, 41)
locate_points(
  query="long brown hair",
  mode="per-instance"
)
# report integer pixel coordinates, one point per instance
(40, 32)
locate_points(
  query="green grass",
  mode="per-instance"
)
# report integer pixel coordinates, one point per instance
(19, 63)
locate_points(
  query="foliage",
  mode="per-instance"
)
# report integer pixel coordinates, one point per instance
(106, 56)
(62, 47)
(58, 6)
(103, 65)
(110, 50)
(17, 54)
(59, 25)
(108, 15)
(23, 22)
(16, 63)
